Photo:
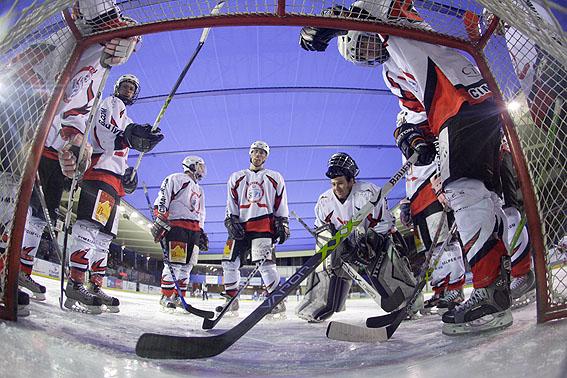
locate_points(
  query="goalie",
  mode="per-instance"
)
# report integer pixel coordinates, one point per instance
(328, 287)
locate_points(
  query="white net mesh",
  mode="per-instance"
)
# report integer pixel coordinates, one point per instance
(526, 56)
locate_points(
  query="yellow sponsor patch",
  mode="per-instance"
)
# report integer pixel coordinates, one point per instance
(228, 247)
(177, 252)
(103, 207)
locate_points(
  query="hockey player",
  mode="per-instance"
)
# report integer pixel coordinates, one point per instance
(180, 218)
(424, 210)
(256, 218)
(104, 183)
(327, 289)
(522, 286)
(463, 116)
(70, 121)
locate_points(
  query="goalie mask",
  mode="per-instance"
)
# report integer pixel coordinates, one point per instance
(129, 79)
(361, 48)
(341, 164)
(196, 166)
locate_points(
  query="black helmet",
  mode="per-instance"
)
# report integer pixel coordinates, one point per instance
(341, 164)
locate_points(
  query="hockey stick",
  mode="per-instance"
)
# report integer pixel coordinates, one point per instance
(153, 345)
(202, 40)
(46, 215)
(210, 323)
(190, 309)
(74, 182)
(381, 328)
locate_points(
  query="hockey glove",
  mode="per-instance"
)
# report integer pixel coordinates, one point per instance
(203, 241)
(281, 225)
(234, 228)
(160, 227)
(364, 248)
(317, 39)
(409, 138)
(129, 185)
(141, 137)
(69, 154)
(117, 51)
(405, 213)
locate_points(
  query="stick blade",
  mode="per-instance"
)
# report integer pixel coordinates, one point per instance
(353, 333)
(156, 346)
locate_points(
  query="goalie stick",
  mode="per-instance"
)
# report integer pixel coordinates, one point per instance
(381, 328)
(151, 345)
(202, 40)
(74, 182)
(190, 309)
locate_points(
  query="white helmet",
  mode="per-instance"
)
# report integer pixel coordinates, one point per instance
(351, 48)
(261, 145)
(134, 80)
(195, 165)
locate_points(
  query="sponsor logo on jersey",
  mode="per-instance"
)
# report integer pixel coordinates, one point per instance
(78, 82)
(470, 71)
(478, 92)
(177, 252)
(103, 207)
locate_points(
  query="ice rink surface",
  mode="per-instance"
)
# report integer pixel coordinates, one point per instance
(54, 343)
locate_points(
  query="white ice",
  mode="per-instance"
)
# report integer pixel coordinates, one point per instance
(54, 343)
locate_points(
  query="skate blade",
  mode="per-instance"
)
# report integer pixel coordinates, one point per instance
(111, 309)
(491, 322)
(23, 311)
(39, 297)
(77, 306)
(524, 300)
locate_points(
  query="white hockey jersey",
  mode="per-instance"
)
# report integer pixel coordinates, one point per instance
(256, 198)
(329, 210)
(110, 152)
(438, 78)
(182, 201)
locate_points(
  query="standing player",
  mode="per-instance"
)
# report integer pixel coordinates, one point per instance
(424, 210)
(256, 217)
(180, 218)
(70, 121)
(327, 289)
(463, 116)
(104, 183)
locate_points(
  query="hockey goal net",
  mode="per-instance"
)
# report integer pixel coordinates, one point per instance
(519, 46)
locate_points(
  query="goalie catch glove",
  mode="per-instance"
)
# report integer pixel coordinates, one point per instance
(281, 226)
(234, 228)
(141, 137)
(160, 227)
(410, 138)
(203, 243)
(317, 39)
(129, 185)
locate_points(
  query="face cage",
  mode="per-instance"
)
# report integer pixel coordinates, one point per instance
(336, 171)
(355, 52)
(128, 101)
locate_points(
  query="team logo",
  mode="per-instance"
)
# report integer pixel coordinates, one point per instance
(194, 202)
(81, 80)
(254, 192)
(470, 71)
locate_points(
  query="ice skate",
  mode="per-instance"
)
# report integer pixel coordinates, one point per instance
(430, 305)
(80, 299)
(110, 303)
(234, 306)
(450, 300)
(415, 312)
(278, 312)
(523, 290)
(167, 303)
(23, 304)
(37, 290)
(487, 309)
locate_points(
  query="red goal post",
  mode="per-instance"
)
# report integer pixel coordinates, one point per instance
(535, 122)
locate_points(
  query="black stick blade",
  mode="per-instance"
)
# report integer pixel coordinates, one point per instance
(155, 346)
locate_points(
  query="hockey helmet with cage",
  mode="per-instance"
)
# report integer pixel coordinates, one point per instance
(341, 164)
(132, 79)
(261, 145)
(362, 48)
(195, 165)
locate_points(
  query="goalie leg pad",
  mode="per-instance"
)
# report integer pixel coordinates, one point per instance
(393, 279)
(326, 294)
